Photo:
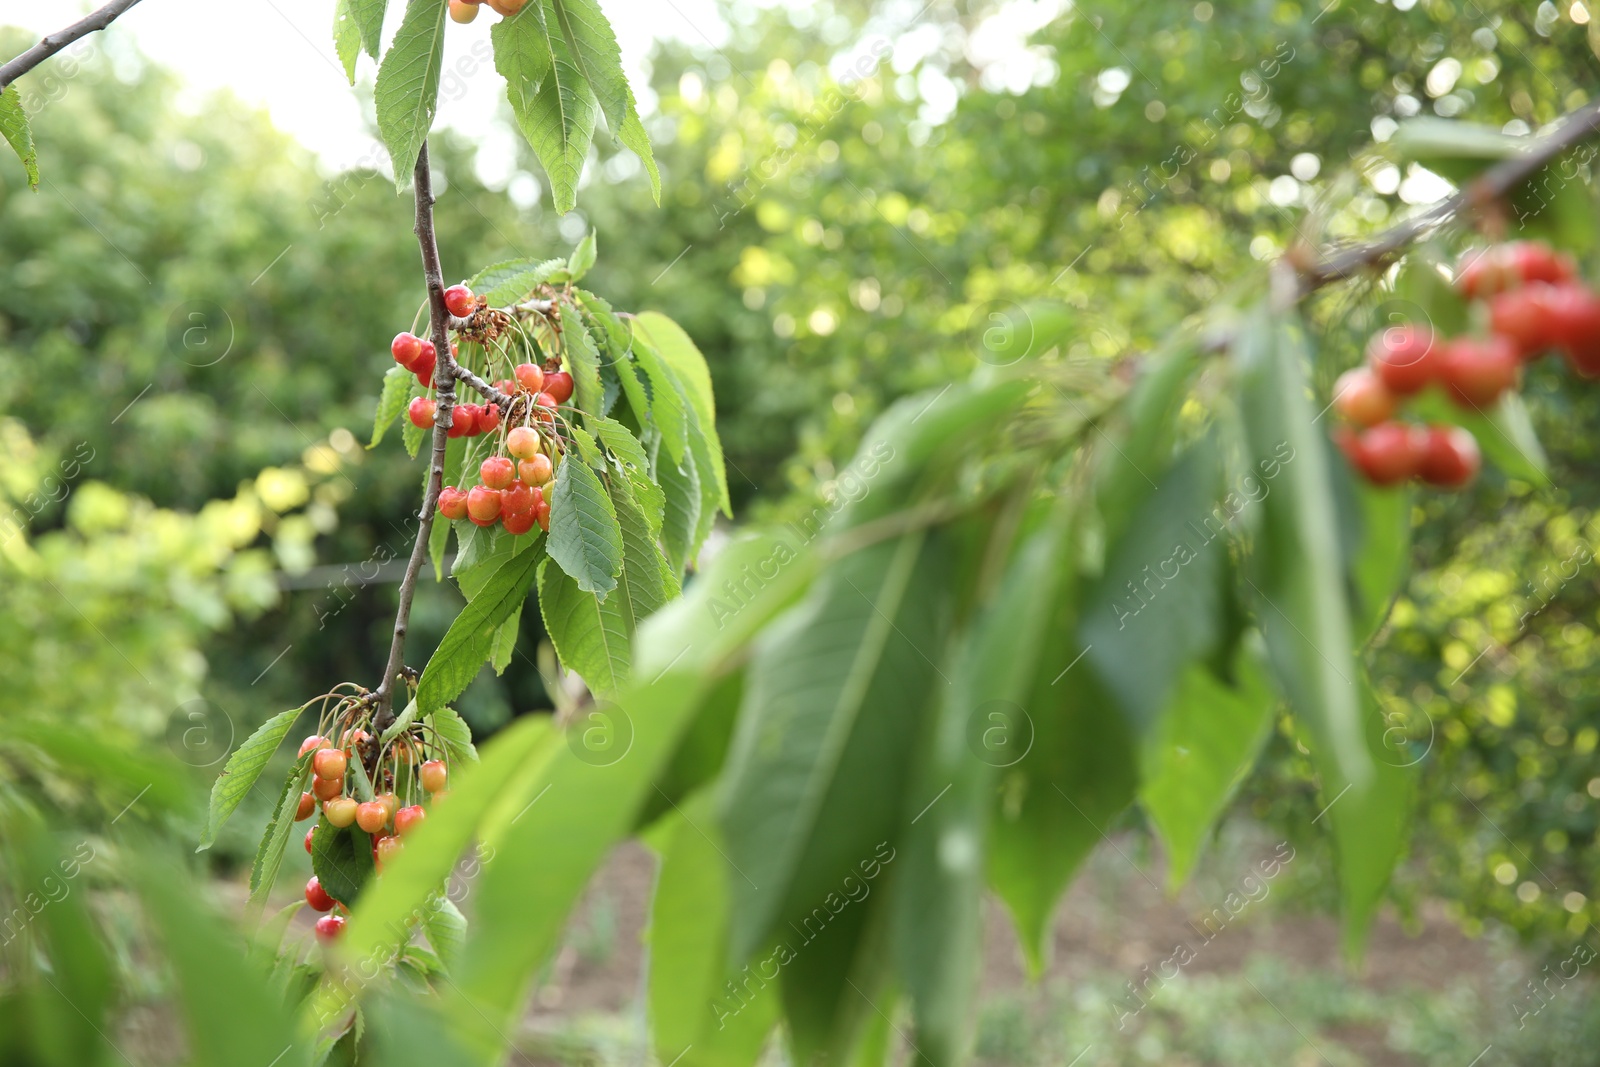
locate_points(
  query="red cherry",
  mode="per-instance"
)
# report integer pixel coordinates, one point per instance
(406, 348)
(1483, 272)
(518, 523)
(318, 897)
(1388, 453)
(1475, 372)
(1361, 398)
(308, 804)
(327, 788)
(535, 471)
(559, 385)
(340, 811)
(459, 299)
(330, 763)
(452, 503)
(1450, 458)
(312, 743)
(330, 927)
(386, 849)
(424, 369)
(1534, 261)
(530, 376)
(1526, 317)
(1575, 327)
(522, 442)
(541, 515)
(372, 816)
(311, 831)
(1404, 357)
(483, 505)
(488, 418)
(544, 407)
(421, 411)
(506, 385)
(496, 472)
(464, 420)
(433, 775)
(407, 818)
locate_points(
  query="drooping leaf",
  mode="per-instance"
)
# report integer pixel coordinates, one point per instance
(676, 349)
(239, 774)
(407, 90)
(505, 283)
(505, 641)
(681, 515)
(594, 52)
(585, 540)
(455, 735)
(402, 722)
(17, 133)
(591, 636)
(470, 640)
(551, 101)
(446, 929)
(582, 257)
(650, 497)
(647, 581)
(392, 403)
(668, 409)
(269, 854)
(346, 37)
(369, 19)
(583, 360)
(1199, 751)
(341, 860)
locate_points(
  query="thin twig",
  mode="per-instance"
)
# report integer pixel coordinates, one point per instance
(444, 378)
(1492, 185)
(490, 393)
(55, 42)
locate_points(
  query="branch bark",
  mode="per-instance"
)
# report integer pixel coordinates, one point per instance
(444, 379)
(52, 43)
(1492, 185)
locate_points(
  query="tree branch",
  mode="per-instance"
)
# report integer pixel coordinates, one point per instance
(444, 380)
(55, 42)
(1490, 186)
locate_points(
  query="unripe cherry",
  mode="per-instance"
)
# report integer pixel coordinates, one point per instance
(483, 505)
(488, 418)
(372, 816)
(1405, 358)
(433, 775)
(522, 442)
(1361, 398)
(1450, 458)
(318, 897)
(329, 927)
(420, 411)
(463, 12)
(452, 503)
(312, 743)
(458, 298)
(535, 471)
(407, 818)
(497, 472)
(340, 811)
(387, 849)
(559, 385)
(406, 348)
(1475, 372)
(330, 763)
(308, 804)
(327, 788)
(530, 376)
(390, 802)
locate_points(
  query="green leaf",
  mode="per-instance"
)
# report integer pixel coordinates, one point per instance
(1295, 572)
(633, 389)
(647, 581)
(553, 105)
(505, 642)
(392, 403)
(412, 436)
(369, 18)
(407, 91)
(582, 258)
(819, 763)
(594, 52)
(669, 411)
(401, 723)
(1199, 752)
(470, 640)
(346, 37)
(583, 360)
(456, 735)
(446, 930)
(18, 134)
(1375, 531)
(269, 855)
(617, 336)
(592, 637)
(651, 499)
(341, 860)
(439, 544)
(585, 540)
(239, 774)
(681, 514)
(512, 281)
(694, 378)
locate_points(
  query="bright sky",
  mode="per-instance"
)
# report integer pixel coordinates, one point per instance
(279, 54)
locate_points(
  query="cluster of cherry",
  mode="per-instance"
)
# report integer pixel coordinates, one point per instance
(1534, 305)
(382, 817)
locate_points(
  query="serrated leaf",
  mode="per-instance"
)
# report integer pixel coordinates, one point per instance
(239, 774)
(583, 361)
(582, 258)
(693, 376)
(346, 37)
(269, 854)
(647, 581)
(369, 18)
(341, 860)
(668, 409)
(594, 51)
(553, 105)
(455, 734)
(650, 497)
(401, 722)
(584, 538)
(506, 283)
(633, 389)
(392, 402)
(680, 487)
(470, 639)
(618, 336)
(17, 133)
(407, 91)
(505, 642)
(591, 636)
